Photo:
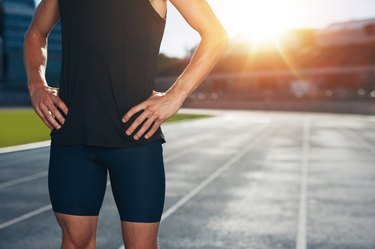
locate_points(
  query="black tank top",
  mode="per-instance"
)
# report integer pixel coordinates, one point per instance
(109, 57)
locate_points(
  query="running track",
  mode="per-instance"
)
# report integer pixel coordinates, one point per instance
(243, 179)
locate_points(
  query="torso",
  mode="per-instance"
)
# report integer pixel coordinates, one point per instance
(110, 50)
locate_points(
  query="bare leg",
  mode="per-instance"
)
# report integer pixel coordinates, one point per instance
(78, 232)
(139, 235)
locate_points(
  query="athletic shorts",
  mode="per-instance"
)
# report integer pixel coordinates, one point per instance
(77, 180)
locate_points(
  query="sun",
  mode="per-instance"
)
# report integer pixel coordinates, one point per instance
(260, 21)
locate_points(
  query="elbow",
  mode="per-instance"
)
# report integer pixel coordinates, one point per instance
(224, 39)
(219, 37)
(27, 37)
(28, 34)
(32, 36)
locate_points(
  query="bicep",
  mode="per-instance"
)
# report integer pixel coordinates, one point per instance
(199, 15)
(45, 17)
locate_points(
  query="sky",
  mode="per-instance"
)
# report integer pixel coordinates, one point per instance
(262, 18)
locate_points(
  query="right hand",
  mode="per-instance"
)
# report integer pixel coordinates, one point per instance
(45, 101)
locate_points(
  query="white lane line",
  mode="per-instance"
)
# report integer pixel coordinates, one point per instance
(31, 214)
(302, 214)
(25, 216)
(25, 146)
(24, 179)
(359, 139)
(261, 135)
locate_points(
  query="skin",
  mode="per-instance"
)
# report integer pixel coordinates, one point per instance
(80, 231)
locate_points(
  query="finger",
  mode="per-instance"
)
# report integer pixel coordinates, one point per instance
(137, 122)
(56, 112)
(48, 116)
(154, 128)
(145, 127)
(134, 110)
(60, 104)
(41, 115)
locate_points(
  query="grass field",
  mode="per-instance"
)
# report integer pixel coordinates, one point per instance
(22, 126)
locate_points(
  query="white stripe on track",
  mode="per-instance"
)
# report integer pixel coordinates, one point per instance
(23, 179)
(359, 139)
(31, 214)
(302, 214)
(25, 216)
(21, 147)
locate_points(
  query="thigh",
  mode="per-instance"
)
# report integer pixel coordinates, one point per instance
(76, 181)
(138, 182)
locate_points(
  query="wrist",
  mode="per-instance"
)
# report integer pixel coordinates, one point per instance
(179, 94)
(178, 90)
(36, 85)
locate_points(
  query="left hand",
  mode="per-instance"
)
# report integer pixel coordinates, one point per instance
(157, 108)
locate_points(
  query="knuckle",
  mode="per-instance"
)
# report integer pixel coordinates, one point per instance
(135, 124)
(151, 109)
(44, 103)
(53, 109)
(49, 101)
(40, 105)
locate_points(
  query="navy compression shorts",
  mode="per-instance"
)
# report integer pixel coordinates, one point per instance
(77, 180)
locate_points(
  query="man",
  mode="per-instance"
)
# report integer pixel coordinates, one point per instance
(105, 115)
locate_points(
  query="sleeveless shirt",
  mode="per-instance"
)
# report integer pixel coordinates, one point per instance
(109, 57)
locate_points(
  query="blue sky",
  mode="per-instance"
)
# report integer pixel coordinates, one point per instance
(252, 16)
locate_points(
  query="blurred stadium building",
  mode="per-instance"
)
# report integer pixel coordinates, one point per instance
(304, 67)
(346, 33)
(15, 17)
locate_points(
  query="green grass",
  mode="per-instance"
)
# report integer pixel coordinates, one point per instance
(24, 126)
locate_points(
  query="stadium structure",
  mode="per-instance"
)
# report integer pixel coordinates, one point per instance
(15, 18)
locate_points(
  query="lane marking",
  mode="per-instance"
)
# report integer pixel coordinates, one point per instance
(259, 136)
(31, 214)
(22, 147)
(25, 216)
(24, 179)
(302, 213)
(357, 138)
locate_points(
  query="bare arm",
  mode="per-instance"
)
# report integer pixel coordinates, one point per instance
(214, 40)
(44, 98)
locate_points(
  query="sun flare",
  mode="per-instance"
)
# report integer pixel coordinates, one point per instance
(260, 21)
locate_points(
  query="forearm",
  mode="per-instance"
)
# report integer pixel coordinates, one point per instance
(35, 60)
(205, 57)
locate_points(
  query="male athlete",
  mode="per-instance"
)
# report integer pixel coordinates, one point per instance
(105, 116)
